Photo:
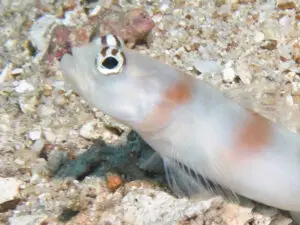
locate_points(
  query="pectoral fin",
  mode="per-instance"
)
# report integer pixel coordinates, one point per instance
(183, 181)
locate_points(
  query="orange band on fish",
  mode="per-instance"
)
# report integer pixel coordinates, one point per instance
(178, 94)
(253, 137)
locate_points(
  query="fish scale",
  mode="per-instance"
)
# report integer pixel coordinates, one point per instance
(200, 133)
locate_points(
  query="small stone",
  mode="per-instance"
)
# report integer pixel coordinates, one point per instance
(60, 100)
(95, 11)
(297, 16)
(88, 130)
(207, 66)
(9, 205)
(281, 220)
(10, 44)
(38, 146)
(114, 181)
(230, 212)
(269, 44)
(35, 219)
(228, 75)
(164, 7)
(244, 72)
(45, 110)
(75, 17)
(19, 161)
(9, 189)
(28, 104)
(133, 26)
(38, 31)
(259, 36)
(17, 71)
(286, 4)
(296, 52)
(69, 5)
(35, 135)
(47, 90)
(23, 86)
(5, 73)
(285, 51)
(59, 12)
(49, 135)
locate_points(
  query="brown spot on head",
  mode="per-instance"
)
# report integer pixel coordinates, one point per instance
(255, 135)
(114, 51)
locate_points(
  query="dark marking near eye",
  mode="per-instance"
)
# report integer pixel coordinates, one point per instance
(103, 40)
(117, 40)
(114, 51)
(103, 51)
(110, 62)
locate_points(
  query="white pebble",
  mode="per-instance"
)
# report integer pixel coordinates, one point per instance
(228, 75)
(60, 100)
(259, 36)
(88, 130)
(28, 105)
(17, 71)
(49, 135)
(285, 51)
(244, 72)
(37, 34)
(10, 44)
(35, 135)
(157, 18)
(207, 66)
(164, 7)
(74, 17)
(45, 111)
(19, 161)
(95, 11)
(27, 219)
(5, 72)
(9, 189)
(23, 86)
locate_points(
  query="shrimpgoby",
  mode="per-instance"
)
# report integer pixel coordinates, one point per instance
(203, 136)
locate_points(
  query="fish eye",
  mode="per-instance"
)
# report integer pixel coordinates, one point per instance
(110, 63)
(110, 60)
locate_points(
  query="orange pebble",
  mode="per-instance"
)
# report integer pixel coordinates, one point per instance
(114, 181)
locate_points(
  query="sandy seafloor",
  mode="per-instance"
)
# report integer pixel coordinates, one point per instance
(50, 174)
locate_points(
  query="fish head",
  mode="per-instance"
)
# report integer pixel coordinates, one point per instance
(120, 82)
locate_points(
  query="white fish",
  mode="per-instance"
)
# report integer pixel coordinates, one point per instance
(205, 139)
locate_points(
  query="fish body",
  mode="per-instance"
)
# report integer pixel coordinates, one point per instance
(198, 131)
